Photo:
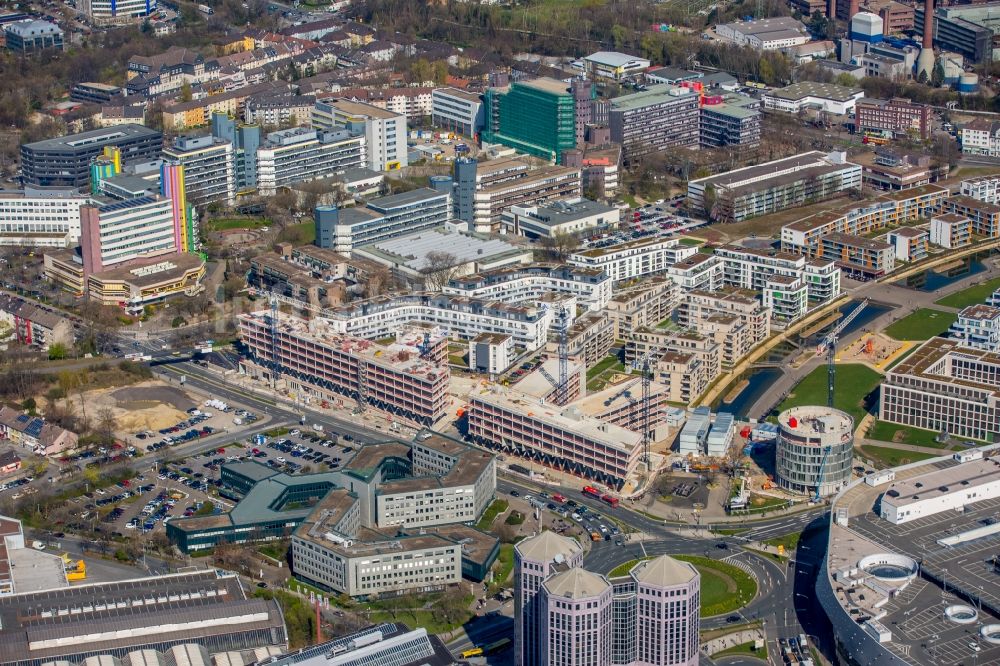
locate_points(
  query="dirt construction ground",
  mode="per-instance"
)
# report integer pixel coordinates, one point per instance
(149, 405)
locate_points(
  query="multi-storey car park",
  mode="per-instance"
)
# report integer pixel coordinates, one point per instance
(592, 287)
(65, 161)
(945, 386)
(910, 571)
(390, 519)
(316, 359)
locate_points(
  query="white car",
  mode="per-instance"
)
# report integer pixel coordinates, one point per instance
(280, 459)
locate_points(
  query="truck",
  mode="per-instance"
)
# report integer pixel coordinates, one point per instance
(206, 10)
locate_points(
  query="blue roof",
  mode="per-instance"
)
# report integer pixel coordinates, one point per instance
(34, 428)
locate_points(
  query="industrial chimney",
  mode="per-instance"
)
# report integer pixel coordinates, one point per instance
(831, 9)
(925, 60)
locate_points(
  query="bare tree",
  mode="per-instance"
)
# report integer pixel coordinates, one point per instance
(440, 268)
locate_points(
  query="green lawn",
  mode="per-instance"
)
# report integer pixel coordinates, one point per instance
(690, 242)
(302, 233)
(889, 457)
(223, 223)
(724, 588)
(744, 648)
(972, 296)
(921, 324)
(854, 381)
(606, 363)
(428, 619)
(505, 564)
(789, 541)
(901, 434)
(492, 511)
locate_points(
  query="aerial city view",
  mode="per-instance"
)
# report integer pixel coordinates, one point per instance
(499, 333)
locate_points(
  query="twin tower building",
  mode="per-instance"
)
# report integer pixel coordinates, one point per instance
(568, 616)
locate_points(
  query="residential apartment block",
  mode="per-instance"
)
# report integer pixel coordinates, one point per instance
(897, 115)
(766, 188)
(41, 217)
(985, 216)
(634, 259)
(591, 287)
(858, 255)
(909, 243)
(643, 305)
(384, 131)
(316, 359)
(981, 137)
(978, 326)
(950, 230)
(735, 317)
(985, 189)
(748, 268)
(33, 325)
(699, 271)
(945, 386)
(343, 229)
(653, 120)
(279, 110)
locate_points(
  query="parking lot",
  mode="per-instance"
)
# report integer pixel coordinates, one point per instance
(196, 426)
(656, 220)
(595, 526)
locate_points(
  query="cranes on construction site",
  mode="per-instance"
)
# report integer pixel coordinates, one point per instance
(642, 364)
(828, 346)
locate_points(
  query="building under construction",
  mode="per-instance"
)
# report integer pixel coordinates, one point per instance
(408, 378)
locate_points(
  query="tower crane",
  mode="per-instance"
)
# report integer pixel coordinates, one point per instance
(819, 474)
(828, 346)
(642, 363)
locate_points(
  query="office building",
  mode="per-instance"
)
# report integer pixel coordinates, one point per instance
(458, 111)
(388, 644)
(950, 230)
(569, 616)
(614, 66)
(31, 36)
(766, 188)
(978, 326)
(536, 117)
(92, 92)
(120, 232)
(208, 609)
(815, 450)
(65, 161)
(945, 386)
(634, 259)
(484, 191)
(834, 99)
(384, 131)
(517, 424)
(532, 283)
(981, 137)
(573, 217)
(747, 268)
(245, 140)
(385, 218)
(732, 120)
(655, 119)
(909, 243)
(299, 155)
(115, 12)
(766, 34)
(893, 171)
(599, 168)
(40, 217)
(897, 115)
(415, 259)
(209, 173)
(316, 359)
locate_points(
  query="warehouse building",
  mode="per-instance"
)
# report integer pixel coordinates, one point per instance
(766, 34)
(828, 97)
(389, 644)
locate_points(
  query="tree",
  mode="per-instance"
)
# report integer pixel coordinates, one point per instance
(619, 34)
(560, 245)
(420, 70)
(57, 351)
(105, 427)
(846, 80)
(186, 91)
(439, 70)
(710, 198)
(439, 269)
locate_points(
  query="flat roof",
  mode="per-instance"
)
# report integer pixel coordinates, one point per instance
(925, 362)
(657, 94)
(614, 58)
(406, 198)
(803, 89)
(940, 483)
(361, 109)
(412, 250)
(458, 92)
(856, 241)
(564, 211)
(549, 85)
(97, 137)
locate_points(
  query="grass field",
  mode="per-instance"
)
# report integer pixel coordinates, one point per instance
(921, 324)
(743, 649)
(889, 457)
(223, 223)
(598, 375)
(789, 541)
(971, 296)
(854, 381)
(900, 434)
(492, 511)
(724, 588)
(687, 241)
(505, 564)
(302, 233)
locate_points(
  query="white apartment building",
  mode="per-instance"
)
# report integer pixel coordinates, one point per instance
(40, 217)
(700, 271)
(208, 168)
(384, 131)
(463, 318)
(591, 287)
(634, 259)
(950, 230)
(457, 111)
(748, 268)
(299, 154)
(563, 217)
(981, 137)
(116, 11)
(491, 353)
(985, 189)
(978, 326)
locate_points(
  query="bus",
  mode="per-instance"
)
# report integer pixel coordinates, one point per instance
(472, 652)
(591, 491)
(611, 501)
